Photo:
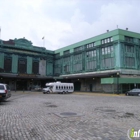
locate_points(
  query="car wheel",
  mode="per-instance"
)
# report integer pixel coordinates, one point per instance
(138, 94)
(63, 92)
(44, 92)
(48, 92)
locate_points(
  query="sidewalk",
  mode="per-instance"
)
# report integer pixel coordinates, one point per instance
(98, 94)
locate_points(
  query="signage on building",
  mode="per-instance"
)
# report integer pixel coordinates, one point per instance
(26, 75)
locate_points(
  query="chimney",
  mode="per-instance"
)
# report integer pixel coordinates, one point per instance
(107, 30)
(126, 29)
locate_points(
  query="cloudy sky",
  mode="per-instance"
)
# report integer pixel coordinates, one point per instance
(64, 22)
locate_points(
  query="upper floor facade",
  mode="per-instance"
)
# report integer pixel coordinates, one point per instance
(113, 50)
(20, 57)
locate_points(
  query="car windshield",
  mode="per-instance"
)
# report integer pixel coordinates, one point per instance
(1, 87)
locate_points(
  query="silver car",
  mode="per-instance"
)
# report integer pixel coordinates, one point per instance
(4, 92)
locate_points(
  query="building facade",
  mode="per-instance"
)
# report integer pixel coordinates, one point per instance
(23, 65)
(109, 62)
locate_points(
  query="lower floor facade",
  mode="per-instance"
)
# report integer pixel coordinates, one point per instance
(114, 81)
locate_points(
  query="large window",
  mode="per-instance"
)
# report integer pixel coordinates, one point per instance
(77, 57)
(77, 67)
(67, 68)
(91, 65)
(130, 61)
(129, 48)
(91, 53)
(7, 64)
(57, 67)
(107, 50)
(108, 63)
(35, 67)
(22, 65)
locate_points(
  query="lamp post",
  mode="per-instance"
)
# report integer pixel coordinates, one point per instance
(118, 74)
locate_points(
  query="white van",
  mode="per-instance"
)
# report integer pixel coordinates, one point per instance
(58, 87)
(4, 92)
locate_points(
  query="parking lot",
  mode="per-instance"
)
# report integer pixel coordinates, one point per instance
(77, 116)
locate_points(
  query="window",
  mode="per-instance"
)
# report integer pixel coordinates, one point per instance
(2, 87)
(77, 67)
(91, 53)
(130, 61)
(91, 65)
(35, 67)
(108, 62)
(22, 65)
(78, 48)
(66, 52)
(57, 54)
(7, 64)
(90, 45)
(129, 39)
(129, 48)
(77, 57)
(107, 50)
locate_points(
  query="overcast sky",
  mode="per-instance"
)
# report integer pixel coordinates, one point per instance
(64, 22)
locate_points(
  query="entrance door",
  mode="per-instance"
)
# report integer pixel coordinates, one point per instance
(21, 85)
(77, 86)
(90, 87)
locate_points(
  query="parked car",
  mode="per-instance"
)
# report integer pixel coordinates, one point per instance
(4, 92)
(133, 92)
(36, 88)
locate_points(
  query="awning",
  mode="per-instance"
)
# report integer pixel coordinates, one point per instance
(120, 80)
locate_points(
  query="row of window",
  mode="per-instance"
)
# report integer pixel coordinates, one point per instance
(107, 50)
(106, 40)
(91, 53)
(129, 39)
(64, 87)
(22, 66)
(106, 63)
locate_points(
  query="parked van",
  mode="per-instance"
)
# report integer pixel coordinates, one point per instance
(58, 87)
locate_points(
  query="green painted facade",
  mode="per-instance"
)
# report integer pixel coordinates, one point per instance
(120, 80)
(100, 57)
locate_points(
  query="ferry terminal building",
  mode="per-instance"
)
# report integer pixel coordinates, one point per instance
(109, 62)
